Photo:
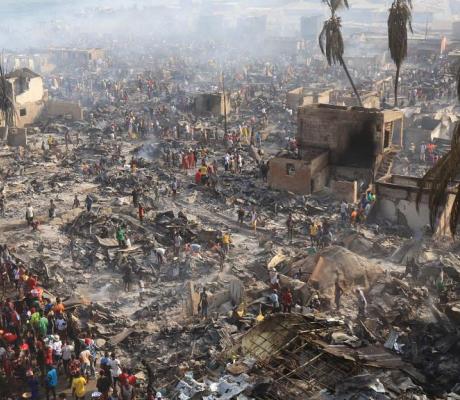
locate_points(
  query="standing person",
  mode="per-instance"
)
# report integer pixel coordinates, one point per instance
(76, 202)
(141, 212)
(115, 371)
(174, 187)
(254, 219)
(85, 360)
(51, 382)
(290, 227)
(422, 151)
(103, 384)
(2, 205)
(177, 243)
(362, 303)
(313, 234)
(66, 357)
(29, 214)
(74, 368)
(226, 241)
(88, 203)
(79, 387)
(150, 375)
(241, 215)
(52, 209)
(127, 391)
(33, 384)
(274, 301)
(338, 291)
(287, 301)
(141, 291)
(343, 211)
(135, 194)
(121, 236)
(127, 278)
(203, 303)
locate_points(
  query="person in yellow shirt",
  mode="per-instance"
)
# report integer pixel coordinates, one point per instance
(313, 233)
(79, 387)
(226, 241)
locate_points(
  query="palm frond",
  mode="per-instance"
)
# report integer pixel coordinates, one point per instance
(438, 179)
(399, 19)
(458, 82)
(455, 212)
(331, 41)
(7, 107)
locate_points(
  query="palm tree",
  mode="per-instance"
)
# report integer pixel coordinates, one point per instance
(7, 109)
(399, 19)
(441, 177)
(331, 40)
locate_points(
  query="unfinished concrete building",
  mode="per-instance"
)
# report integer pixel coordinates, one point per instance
(211, 103)
(28, 94)
(303, 96)
(358, 145)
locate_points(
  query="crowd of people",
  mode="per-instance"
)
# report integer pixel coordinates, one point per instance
(44, 353)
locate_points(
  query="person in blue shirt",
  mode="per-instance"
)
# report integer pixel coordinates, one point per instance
(51, 382)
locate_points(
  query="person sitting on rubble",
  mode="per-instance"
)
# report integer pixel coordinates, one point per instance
(315, 302)
(52, 209)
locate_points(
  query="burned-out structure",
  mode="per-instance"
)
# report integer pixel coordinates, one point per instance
(358, 142)
(216, 104)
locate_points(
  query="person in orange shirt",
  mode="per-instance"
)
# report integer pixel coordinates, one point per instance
(59, 307)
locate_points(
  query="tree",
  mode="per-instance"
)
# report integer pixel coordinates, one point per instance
(331, 40)
(7, 109)
(399, 18)
(441, 177)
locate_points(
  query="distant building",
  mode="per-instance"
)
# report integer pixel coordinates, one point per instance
(211, 103)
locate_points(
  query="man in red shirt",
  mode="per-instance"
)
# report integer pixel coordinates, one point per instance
(287, 300)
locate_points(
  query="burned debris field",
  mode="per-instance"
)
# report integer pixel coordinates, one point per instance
(229, 200)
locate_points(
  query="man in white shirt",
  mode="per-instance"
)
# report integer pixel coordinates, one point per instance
(115, 370)
(66, 356)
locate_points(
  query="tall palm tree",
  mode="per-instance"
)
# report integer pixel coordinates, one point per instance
(441, 177)
(399, 19)
(7, 109)
(331, 40)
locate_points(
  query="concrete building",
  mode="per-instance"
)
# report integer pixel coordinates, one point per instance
(338, 146)
(302, 96)
(211, 103)
(29, 95)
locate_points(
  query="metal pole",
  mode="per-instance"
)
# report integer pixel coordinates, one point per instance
(225, 104)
